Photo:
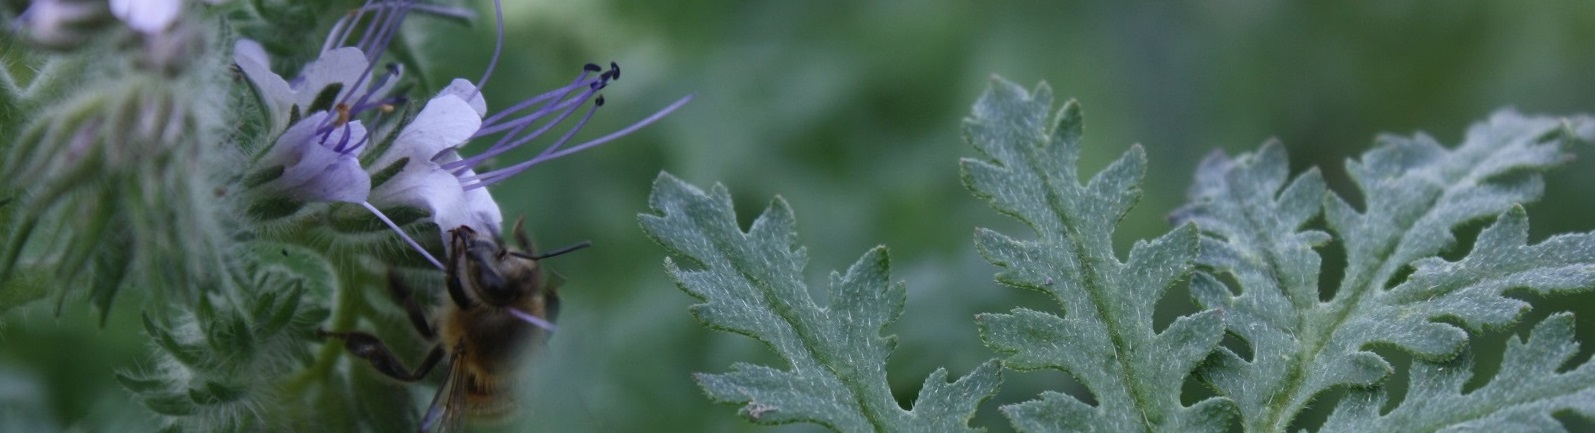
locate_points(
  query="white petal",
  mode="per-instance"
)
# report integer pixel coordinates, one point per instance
(58, 21)
(272, 88)
(445, 122)
(343, 180)
(421, 185)
(478, 210)
(314, 172)
(424, 185)
(248, 49)
(147, 16)
(466, 91)
(343, 65)
(289, 148)
(340, 66)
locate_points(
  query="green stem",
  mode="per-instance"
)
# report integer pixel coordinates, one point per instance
(350, 303)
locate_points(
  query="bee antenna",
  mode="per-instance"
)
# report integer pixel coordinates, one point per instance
(558, 252)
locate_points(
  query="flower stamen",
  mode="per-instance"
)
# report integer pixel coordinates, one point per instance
(532, 319)
(498, 47)
(402, 234)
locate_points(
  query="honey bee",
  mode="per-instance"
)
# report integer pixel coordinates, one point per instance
(501, 306)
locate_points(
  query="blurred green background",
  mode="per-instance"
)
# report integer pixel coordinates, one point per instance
(851, 111)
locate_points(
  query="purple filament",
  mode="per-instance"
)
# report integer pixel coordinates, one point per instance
(532, 319)
(402, 234)
(495, 176)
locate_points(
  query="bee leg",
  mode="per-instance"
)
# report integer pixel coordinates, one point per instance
(368, 347)
(452, 270)
(405, 298)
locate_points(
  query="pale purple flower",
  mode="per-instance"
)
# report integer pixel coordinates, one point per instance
(320, 152)
(60, 23)
(426, 143)
(317, 115)
(436, 177)
(317, 166)
(345, 66)
(147, 16)
(319, 146)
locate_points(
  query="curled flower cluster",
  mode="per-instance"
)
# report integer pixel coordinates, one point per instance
(321, 120)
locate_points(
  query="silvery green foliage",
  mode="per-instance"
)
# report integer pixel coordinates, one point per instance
(1417, 191)
(751, 284)
(1530, 386)
(1104, 337)
(1249, 223)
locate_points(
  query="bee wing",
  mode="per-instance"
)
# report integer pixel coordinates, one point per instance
(446, 414)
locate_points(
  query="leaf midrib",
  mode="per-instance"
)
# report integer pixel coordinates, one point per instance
(789, 315)
(1270, 257)
(1094, 280)
(1341, 308)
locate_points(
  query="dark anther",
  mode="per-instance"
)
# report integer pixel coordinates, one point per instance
(600, 101)
(592, 68)
(613, 67)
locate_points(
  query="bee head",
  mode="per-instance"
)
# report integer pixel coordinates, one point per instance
(497, 275)
(488, 270)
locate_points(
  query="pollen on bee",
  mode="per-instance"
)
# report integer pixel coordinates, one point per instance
(386, 108)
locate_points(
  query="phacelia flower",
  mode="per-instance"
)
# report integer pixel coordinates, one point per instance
(320, 141)
(317, 115)
(426, 142)
(319, 166)
(147, 16)
(437, 178)
(344, 77)
(62, 24)
(321, 136)
(340, 75)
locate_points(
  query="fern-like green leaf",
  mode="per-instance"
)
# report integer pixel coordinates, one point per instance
(752, 284)
(1417, 192)
(1105, 337)
(1528, 389)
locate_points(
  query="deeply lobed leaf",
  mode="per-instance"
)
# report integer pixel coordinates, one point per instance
(1105, 337)
(1522, 397)
(1417, 192)
(751, 284)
